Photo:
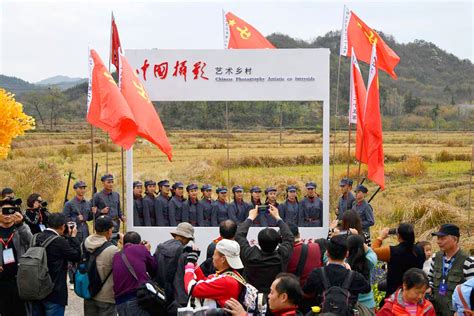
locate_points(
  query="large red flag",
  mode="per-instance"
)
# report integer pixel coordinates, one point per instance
(115, 46)
(356, 34)
(357, 105)
(242, 35)
(373, 126)
(106, 107)
(146, 117)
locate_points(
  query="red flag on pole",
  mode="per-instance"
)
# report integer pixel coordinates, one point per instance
(106, 107)
(356, 111)
(242, 35)
(146, 117)
(373, 137)
(115, 46)
(356, 34)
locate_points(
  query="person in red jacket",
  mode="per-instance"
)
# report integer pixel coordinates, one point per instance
(409, 299)
(220, 287)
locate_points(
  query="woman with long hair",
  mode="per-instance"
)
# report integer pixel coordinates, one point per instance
(399, 258)
(363, 260)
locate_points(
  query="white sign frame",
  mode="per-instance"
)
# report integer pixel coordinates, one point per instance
(321, 73)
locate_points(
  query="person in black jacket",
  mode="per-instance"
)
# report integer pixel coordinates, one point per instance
(263, 264)
(36, 216)
(59, 252)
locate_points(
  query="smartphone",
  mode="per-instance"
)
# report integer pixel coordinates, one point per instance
(263, 208)
(392, 231)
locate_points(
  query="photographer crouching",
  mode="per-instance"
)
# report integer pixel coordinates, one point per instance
(15, 239)
(36, 215)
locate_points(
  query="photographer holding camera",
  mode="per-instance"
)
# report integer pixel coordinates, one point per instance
(36, 215)
(15, 239)
(264, 263)
(59, 251)
(399, 258)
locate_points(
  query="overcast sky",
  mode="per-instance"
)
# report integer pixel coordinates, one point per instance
(41, 39)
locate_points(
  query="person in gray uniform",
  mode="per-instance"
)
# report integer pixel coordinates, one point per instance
(220, 210)
(238, 207)
(364, 209)
(205, 206)
(255, 199)
(79, 210)
(191, 205)
(149, 202)
(161, 204)
(138, 204)
(346, 199)
(311, 208)
(290, 209)
(107, 201)
(271, 194)
(175, 207)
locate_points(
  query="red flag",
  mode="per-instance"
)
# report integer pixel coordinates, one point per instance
(148, 121)
(356, 110)
(356, 34)
(373, 126)
(106, 107)
(116, 47)
(240, 34)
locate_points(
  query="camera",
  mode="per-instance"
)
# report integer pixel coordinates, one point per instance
(393, 231)
(345, 233)
(71, 225)
(263, 208)
(11, 201)
(10, 210)
(44, 204)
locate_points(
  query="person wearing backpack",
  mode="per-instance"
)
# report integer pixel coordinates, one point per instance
(61, 246)
(335, 287)
(167, 255)
(15, 237)
(100, 246)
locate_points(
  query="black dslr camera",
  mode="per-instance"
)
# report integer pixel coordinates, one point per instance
(13, 206)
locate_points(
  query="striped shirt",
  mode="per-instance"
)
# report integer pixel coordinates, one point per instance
(468, 268)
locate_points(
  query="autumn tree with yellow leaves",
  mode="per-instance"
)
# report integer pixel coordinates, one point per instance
(13, 121)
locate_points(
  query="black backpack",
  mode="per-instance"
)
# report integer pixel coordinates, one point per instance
(87, 283)
(336, 298)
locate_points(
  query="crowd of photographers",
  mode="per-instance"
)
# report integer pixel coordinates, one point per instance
(282, 275)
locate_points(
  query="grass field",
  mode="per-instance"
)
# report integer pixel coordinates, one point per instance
(427, 173)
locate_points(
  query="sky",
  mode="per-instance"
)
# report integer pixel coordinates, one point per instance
(41, 39)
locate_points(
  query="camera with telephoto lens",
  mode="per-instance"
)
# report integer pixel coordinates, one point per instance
(393, 231)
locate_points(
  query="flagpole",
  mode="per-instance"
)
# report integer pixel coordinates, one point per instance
(228, 143)
(92, 159)
(107, 134)
(349, 150)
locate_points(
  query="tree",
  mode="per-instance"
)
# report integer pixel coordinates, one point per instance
(13, 121)
(410, 103)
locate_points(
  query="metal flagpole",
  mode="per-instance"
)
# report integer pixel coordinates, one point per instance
(107, 134)
(228, 143)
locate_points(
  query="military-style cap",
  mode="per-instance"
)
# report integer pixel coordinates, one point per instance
(361, 188)
(221, 190)
(192, 186)
(345, 181)
(270, 189)
(107, 177)
(255, 189)
(149, 182)
(311, 185)
(164, 183)
(291, 188)
(206, 187)
(177, 185)
(237, 188)
(79, 184)
(137, 184)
